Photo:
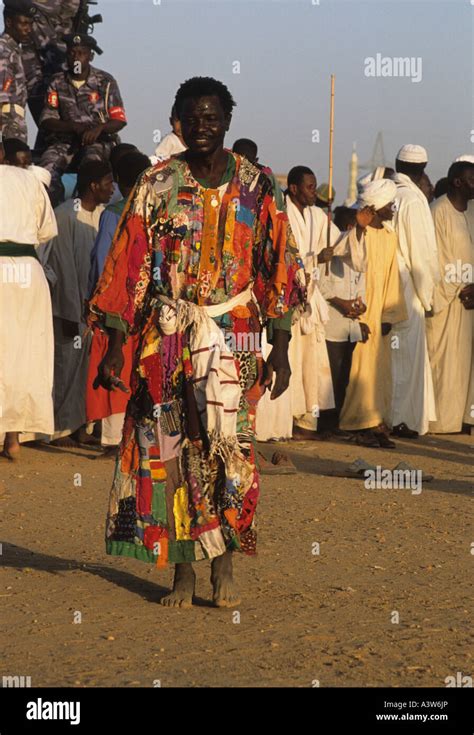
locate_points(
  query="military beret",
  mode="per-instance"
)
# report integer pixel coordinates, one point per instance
(80, 39)
(19, 7)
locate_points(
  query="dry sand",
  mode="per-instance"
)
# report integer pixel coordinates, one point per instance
(304, 618)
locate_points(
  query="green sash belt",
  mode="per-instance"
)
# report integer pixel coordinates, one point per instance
(17, 250)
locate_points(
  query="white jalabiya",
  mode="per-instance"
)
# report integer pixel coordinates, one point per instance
(26, 324)
(310, 384)
(170, 145)
(450, 331)
(413, 398)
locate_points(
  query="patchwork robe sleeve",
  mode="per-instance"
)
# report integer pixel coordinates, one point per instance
(120, 295)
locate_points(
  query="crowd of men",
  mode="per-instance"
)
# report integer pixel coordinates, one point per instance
(152, 317)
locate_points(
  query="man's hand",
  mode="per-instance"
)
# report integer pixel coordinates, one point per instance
(90, 136)
(386, 328)
(352, 309)
(108, 373)
(277, 362)
(365, 329)
(467, 296)
(365, 216)
(79, 128)
(325, 255)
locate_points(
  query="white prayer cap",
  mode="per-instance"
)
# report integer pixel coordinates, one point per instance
(42, 174)
(377, 193)
(412, 154)
(466, 157)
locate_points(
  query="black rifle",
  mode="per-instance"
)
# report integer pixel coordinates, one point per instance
(84, 22)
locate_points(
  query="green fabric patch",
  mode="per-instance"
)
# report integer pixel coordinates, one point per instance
(125, 548)
(181, 551)
(158, 503)
(283, 322)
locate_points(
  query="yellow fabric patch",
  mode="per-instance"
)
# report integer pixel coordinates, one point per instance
(182, 519)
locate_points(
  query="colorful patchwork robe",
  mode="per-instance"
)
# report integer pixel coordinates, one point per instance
(172, 498)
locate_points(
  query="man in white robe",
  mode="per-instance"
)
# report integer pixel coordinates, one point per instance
(450, 330)
(413, 401)
(310, 383)
(67, 258)
(26, 325)
(172, 143)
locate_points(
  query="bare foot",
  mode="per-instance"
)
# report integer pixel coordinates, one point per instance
(11, 446)
(224, 594)
(183, 587)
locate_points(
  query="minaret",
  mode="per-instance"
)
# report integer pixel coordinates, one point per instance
(353, 172)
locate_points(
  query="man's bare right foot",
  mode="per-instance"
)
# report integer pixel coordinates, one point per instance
(183, 587)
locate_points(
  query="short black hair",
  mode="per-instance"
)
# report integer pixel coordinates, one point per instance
(410, 169)
(203, 87)
(457, 169)
(13, 146)
(117, 152)
(296, 174)
(344, 217)
(90, 172)
(441, 187)
(246, 147)
(130, 166)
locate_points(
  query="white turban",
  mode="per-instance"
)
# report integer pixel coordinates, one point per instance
(412, 154)
(466, 157)
(42, 174)
(373, 176)
(377, 193)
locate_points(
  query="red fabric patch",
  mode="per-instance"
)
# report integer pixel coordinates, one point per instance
(152, 367)
(53, 100)
(144, 495)
(7, 84)
(117, 113)
(152, 535)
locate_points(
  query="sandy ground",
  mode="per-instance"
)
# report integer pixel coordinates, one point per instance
(304, 618)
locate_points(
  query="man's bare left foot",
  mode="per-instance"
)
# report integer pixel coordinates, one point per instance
(224, 594)
(183, 587)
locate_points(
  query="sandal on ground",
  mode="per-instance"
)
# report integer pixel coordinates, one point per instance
(404, 432)
(283, 463)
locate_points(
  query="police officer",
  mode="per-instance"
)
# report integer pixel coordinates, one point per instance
(82, 115)
(45, 52)
(13, 93)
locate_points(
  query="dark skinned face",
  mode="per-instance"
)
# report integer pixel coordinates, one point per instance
(465, 183)
(305, 192)
(23, 159)
(204, 125)
(386, 213)
(19, 28)
(103, 189)
(79, 60)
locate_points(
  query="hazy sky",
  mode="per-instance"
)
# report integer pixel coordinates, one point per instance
(287, 50)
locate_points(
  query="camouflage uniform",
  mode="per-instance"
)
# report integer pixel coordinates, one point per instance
(46, 54)
(96, 102)
(13, 94)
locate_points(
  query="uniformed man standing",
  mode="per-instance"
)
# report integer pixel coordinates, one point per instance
(45, 52)
(13, 93)
(82, 115)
